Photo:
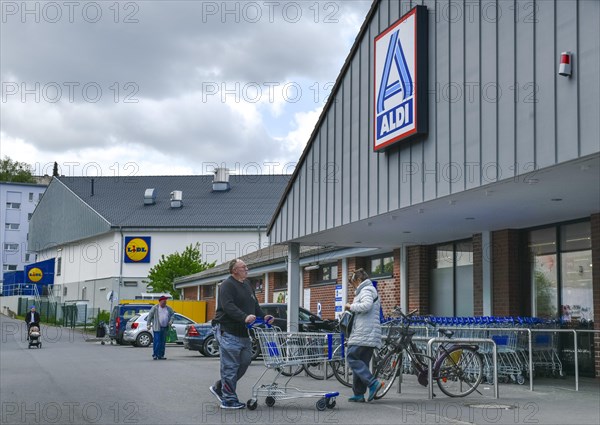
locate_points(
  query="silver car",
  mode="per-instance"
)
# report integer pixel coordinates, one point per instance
(138, 335)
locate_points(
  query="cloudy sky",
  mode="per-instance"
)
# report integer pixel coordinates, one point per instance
(168, 87)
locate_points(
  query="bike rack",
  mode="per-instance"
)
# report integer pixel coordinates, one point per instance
(432, 341)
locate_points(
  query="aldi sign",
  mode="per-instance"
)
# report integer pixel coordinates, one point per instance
(401, 80)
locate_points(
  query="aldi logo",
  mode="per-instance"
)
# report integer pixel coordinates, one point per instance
(401, 80)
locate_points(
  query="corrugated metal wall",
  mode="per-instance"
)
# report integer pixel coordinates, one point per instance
(62, 217)
(497, 109)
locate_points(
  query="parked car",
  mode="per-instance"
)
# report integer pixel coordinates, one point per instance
(200, 337)
(137, 333)
(120, 315)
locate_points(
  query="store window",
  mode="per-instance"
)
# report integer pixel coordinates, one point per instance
(257, 284)
(562, 272)
(452, 280)
(381, 266)
(327, 273)
(209, 291)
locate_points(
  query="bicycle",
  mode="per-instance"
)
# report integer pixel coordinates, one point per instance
(457, 368)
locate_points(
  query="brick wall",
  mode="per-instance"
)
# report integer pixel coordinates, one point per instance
(595, 224)
(506, 276)
(418, 278)
(477, 275)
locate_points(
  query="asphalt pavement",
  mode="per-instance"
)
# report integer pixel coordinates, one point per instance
(74, 380)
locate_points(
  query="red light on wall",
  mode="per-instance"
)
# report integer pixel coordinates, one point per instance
(564, 68)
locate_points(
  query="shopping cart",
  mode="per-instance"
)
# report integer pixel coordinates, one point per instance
(288, 349)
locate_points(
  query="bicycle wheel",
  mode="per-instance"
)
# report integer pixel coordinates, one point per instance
(316, 370)
(291, 370)
(386, 372)
(460, 372)
(340, 374)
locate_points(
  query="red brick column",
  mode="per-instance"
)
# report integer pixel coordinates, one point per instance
(595, 224)
(506, 288)
(418, 278)
(477, 275)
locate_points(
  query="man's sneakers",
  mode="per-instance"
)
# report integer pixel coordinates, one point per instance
(217, 393)
(232, 405)
(357, 399)
(373, 388)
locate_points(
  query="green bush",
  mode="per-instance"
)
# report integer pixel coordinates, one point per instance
(103, 316)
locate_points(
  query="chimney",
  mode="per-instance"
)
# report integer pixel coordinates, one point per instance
(150, 197)
(221, 180)
(176, 199)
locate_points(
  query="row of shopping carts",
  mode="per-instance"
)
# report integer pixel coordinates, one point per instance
(512, 342)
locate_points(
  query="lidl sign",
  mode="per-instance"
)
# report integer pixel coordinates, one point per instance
(400, 69)
(137, 249)
(35, 274)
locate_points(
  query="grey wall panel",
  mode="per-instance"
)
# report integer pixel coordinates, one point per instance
(587, 64)
(355, 141)
(302, 207)
(430, 147)
(416, 182)
(545, 107)
(310, 185)
(496, 107)
(454, 171)
(323, 177)
(489, 90)
(365, 128)
(62, 217)
(567, 132)
(506, 100)
(373, 175)
(471, 94)
(381, 166)
(525, 86)
(339, 155)
(443, 128)
(332, 166)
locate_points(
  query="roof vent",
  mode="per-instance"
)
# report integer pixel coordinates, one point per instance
(176, 199)
(150, 197)
(221, 180)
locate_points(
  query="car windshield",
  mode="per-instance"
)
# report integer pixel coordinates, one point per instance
(134, 318)
(304, 316)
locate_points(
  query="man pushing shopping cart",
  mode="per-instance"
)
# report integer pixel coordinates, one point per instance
(237, 307)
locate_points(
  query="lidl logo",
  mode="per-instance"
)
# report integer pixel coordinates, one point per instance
(35, 274)
(399, 79)
(137, 249)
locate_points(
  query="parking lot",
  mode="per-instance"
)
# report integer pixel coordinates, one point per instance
(73, 381)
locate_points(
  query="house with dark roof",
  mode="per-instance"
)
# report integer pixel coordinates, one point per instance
(106, 233)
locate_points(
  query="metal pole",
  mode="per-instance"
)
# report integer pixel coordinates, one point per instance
(576, 361)
(495, 361)
(530, 360)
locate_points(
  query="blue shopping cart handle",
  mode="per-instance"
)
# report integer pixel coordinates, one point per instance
(259, 321)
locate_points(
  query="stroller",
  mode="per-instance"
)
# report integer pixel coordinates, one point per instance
(34, 337)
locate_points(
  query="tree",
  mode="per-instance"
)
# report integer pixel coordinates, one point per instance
(161, 276)
(55, 170)
(16, 172)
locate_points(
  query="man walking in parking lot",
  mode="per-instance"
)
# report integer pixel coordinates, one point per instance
(160, 319)
(236, 308)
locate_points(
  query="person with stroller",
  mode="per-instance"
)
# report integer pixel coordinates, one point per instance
(32, 319)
